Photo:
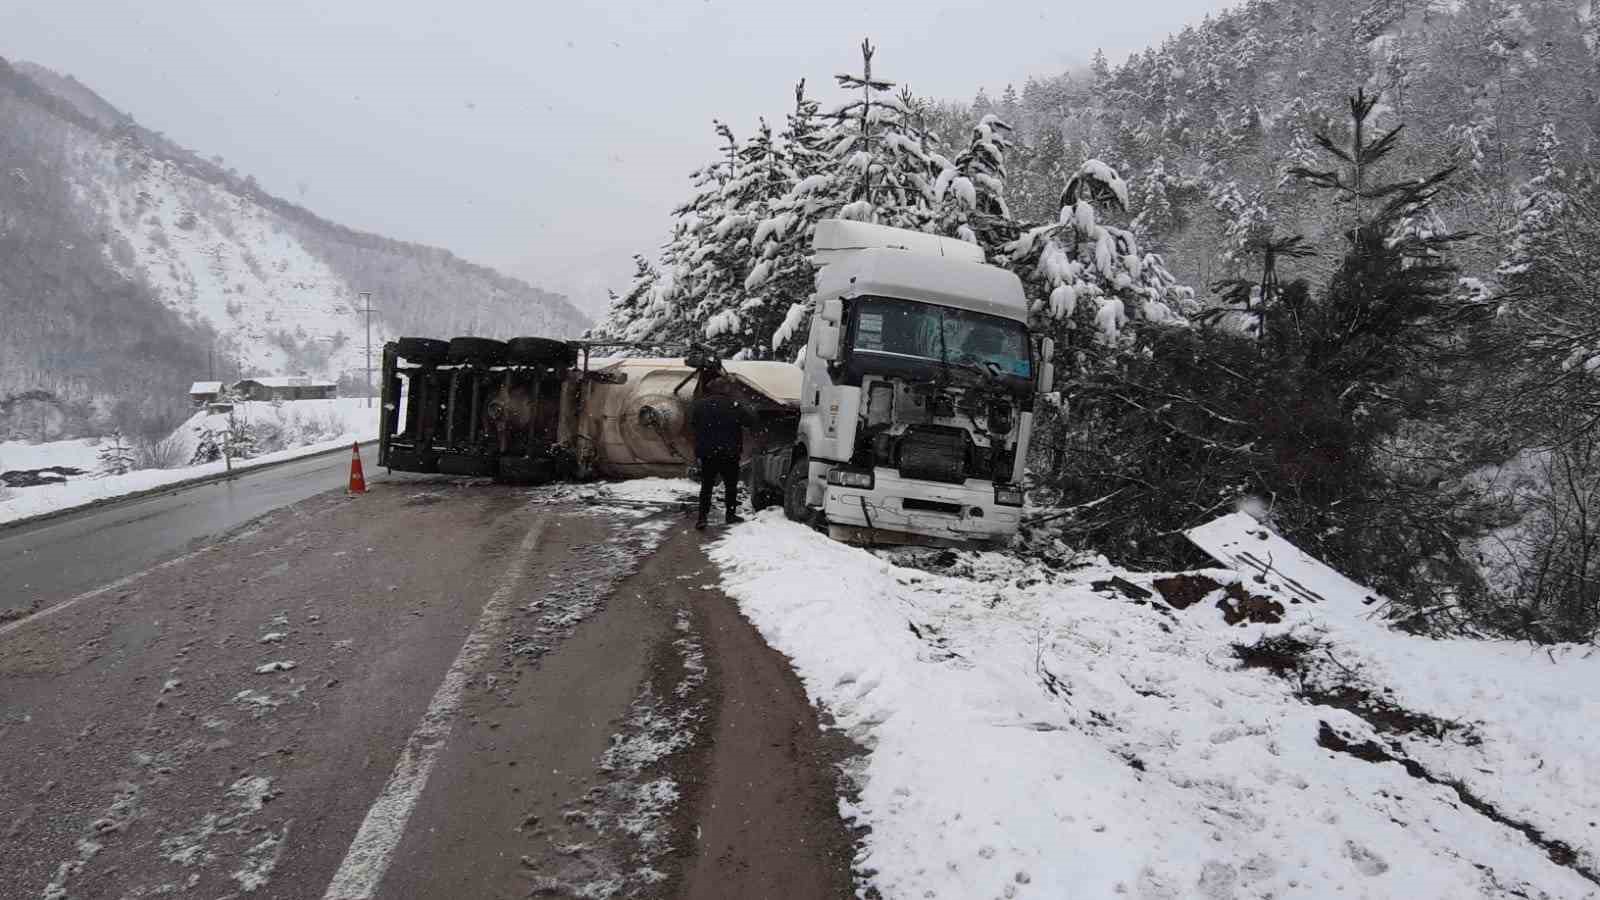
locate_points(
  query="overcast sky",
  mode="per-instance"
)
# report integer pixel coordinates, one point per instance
(546, 139)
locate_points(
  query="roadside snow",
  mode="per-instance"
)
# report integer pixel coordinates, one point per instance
(306, 426)
(82, 453)
(637, 497)
(1030, 734)
(648, 490)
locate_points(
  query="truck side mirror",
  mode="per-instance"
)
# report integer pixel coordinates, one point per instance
(828, 341)
(1047, 377)
(1047, 350)
(833, 311)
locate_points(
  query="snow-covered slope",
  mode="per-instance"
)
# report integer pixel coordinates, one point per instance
(131, 266)
(1039, 731)
(224, 261)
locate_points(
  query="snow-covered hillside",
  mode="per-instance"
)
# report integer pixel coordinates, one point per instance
(131, 266)
(1044, 731)
(225, 261)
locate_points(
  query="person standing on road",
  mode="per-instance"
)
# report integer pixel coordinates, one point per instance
(719, 422)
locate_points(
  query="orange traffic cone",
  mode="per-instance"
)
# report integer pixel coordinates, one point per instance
(358, 482)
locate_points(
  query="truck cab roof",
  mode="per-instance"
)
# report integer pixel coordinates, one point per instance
(906, 275)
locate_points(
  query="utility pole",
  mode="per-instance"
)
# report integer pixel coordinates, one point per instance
(366, 300)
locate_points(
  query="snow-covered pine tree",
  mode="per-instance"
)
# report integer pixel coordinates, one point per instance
(1156, 216)
(1089, 278)
(970, 191)
(745, 321)
(877, 167)
(804, 139)
(878, 170)
(1034, 188)
(239, 441)
(781, 274)
(1371, 327)
(700, 261)
(1542, 199)
(1549, 314)
(1099, 68)
(634, 316)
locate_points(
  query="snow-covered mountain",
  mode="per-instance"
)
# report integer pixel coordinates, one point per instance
(130, 266)
(225, 262)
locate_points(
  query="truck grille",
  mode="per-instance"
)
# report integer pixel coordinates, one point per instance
(932, 453)
(912, 504)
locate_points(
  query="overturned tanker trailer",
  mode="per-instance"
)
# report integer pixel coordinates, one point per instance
(536, 410)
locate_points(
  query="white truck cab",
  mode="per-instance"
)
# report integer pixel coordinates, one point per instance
(918, 388)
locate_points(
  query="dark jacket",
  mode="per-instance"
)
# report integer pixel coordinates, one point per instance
(718, 426)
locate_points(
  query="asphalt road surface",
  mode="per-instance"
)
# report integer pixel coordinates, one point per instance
(45, 563)
(439, 689)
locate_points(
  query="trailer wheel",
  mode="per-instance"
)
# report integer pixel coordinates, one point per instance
(422, 351)
(763, 495)
(764, 498)
(538, 351)
(477, 350)
(794, 487)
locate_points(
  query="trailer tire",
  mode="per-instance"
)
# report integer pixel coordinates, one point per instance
(538, 351)
(764, 498)
(487, 351)
(794, 487)
(422, 351)
(762, 494)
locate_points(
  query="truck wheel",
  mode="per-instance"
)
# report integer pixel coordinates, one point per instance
(477, 350)
(422, 351)
(794, 487)
(538, 351)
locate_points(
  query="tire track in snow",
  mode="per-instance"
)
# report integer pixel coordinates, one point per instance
(367, 860)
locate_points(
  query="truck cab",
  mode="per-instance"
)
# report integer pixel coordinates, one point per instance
(917, 392)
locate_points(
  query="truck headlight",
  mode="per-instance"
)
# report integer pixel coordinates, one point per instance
(851, 478)
(1007, 496)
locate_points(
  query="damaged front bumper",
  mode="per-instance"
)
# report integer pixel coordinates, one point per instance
(910, 511)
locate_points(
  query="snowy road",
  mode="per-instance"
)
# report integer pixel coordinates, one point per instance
(440, 689)
(48, 562)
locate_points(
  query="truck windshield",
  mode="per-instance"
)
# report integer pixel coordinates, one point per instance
(904, 328)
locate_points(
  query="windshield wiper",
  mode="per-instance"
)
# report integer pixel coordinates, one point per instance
(989, 369)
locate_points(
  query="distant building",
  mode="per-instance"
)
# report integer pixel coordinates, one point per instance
(203, 392)
(285, 387)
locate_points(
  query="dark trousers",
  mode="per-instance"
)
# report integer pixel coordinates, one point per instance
(713, 468)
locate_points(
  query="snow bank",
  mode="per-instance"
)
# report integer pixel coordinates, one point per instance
(80, 453)
(307, 427)
(1030, 734)
(290, 424)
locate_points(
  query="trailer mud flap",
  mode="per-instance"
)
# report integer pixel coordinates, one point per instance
(388, 401)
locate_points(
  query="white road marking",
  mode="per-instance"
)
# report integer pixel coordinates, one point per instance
(120, 583)
(370, 852)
